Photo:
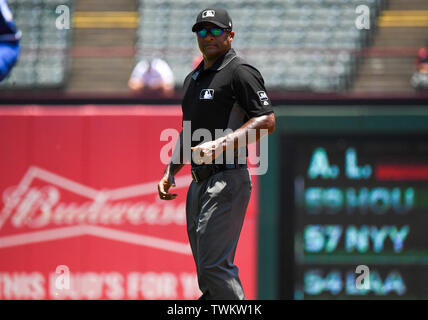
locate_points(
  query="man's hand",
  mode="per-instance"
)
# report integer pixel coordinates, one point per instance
(165, 183)
(135, 84)
(207, 152)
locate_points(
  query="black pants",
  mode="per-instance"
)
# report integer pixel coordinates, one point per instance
(215, 212)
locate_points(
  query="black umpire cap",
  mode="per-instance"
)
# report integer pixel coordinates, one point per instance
(219, 17)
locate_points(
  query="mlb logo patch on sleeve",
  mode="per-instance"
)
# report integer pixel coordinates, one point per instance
(206, 94)
(262, 96)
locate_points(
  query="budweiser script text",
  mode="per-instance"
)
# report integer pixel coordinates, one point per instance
(38, 207)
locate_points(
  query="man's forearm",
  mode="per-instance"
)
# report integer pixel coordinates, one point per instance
(178, 159)
(173, 168)
(253, 130)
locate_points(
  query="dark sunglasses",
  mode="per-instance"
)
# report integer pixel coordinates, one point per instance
(202, 33)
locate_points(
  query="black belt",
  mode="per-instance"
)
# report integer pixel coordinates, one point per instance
(202, 172)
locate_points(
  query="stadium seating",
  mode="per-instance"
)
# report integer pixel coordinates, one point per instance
(44, 61)
(296, 44)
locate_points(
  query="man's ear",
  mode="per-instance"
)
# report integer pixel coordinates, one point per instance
(231, 35)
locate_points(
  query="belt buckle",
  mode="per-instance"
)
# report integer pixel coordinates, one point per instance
(194, 176)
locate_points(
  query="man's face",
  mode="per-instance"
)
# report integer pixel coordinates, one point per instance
(213, 47)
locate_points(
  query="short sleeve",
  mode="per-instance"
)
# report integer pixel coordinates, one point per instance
(250, 92)
(165, 71)
(139, 70)
(5, 12)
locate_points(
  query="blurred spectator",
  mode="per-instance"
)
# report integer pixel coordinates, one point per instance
(9, 41)
(420, 77)
(422, 58)
(153, 75)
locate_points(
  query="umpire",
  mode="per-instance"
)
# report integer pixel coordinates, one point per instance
(223, 92)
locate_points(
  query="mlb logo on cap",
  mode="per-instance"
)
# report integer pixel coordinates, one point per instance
(208, 13)
(217, 16)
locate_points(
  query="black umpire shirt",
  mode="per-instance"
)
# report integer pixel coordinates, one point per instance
(226, 95)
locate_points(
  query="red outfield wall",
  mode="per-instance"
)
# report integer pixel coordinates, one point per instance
(79, 192)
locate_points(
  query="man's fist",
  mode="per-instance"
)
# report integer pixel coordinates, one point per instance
(165, 183)
(207, 152)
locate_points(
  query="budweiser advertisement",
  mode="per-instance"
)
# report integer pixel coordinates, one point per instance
(80, 216)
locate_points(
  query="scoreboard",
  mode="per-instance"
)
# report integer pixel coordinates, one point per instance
(354, 216)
